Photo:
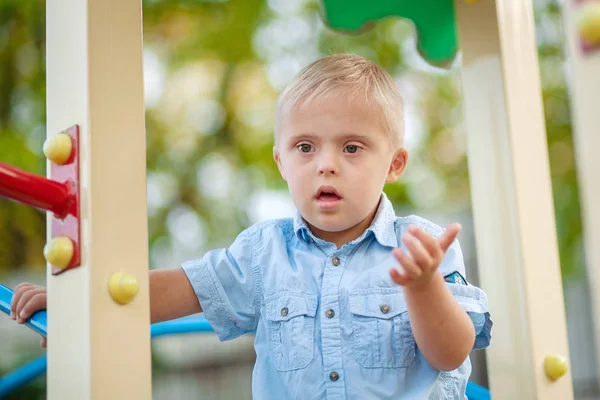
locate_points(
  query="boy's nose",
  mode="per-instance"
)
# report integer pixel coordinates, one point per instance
(328, 166)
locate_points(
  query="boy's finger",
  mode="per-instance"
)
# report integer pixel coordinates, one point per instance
(428, 241)
(17, 293)
(417, 251)
(37, 302)
(30, 302)
(449, 236)
(398, 277)
(411, 269)
(44, 342)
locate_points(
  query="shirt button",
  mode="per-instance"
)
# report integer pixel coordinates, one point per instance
(336, 261)
(385, 308)
(284, 311)
(334, 376)
(330, 313)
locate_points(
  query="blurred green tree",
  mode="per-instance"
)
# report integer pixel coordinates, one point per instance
(213, 71)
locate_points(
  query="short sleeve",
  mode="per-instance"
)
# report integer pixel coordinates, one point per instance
(225, 282)
(471, 298)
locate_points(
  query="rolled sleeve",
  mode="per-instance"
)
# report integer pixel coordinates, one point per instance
(471, 298)
(474, 301)
(224, 281)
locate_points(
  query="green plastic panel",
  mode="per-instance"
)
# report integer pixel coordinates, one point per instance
(433, 20)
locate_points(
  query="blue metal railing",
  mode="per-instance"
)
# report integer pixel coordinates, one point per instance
(194, 324)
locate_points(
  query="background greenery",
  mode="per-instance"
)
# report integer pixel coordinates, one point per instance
(213, 71)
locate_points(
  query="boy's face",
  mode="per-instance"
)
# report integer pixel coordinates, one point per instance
(336, 156)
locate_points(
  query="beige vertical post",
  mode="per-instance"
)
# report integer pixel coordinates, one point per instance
(97, 348)
(512, 197)
(584, 86)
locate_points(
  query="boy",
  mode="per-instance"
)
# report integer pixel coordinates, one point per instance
(347, 300)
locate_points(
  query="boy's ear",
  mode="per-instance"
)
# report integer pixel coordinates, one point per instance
(277, 159)
(397, 166)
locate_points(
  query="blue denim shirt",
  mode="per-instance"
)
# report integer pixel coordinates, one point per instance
(330, 323)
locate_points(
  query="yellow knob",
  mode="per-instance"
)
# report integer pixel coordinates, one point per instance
(59, 251)
(555, 366)
(58, 148)
(589, 22)
(123, 287)
(471, 1)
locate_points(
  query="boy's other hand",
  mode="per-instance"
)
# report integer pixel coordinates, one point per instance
(27, 299)
(425, 254)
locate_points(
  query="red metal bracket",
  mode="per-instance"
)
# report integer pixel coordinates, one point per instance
(59, 195)
(69, 225)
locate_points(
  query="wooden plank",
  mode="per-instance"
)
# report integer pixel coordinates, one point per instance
(512, 198)
(97, 348)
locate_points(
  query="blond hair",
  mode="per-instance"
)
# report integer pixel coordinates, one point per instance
(358, 78)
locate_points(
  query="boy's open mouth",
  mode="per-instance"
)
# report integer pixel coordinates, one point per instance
(328, 194)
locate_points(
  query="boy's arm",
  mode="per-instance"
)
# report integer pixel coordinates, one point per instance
(443, 331)
(171, 295)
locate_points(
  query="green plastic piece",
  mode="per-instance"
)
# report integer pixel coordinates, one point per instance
(433, 19)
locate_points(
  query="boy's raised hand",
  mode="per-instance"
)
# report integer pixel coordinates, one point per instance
(425, 255)
(27, 299)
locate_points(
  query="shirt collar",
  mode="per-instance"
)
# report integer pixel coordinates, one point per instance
(382, 227)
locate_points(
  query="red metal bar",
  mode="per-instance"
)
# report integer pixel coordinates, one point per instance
(36, 191)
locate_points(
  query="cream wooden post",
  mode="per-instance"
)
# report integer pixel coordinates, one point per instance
(584, 86)
(512, 197)
(97, 348)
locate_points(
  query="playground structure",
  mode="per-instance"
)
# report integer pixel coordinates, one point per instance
(98, 280)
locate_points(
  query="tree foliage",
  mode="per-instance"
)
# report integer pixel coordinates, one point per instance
(213, 72)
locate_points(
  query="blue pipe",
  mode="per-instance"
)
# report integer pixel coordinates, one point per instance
(477, 392)
(32, 370)
(193, 324)
(22, 376)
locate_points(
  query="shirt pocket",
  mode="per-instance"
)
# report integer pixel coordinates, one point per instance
(381, 333)
(291, 327)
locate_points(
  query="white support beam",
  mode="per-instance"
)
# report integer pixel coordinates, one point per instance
(97, 348)
(512, 197)
(584, 93)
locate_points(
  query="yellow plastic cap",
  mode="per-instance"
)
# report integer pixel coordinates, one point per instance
(123, 287)
(59, 251)
(555, 366)
(58, 148)
(589, 22)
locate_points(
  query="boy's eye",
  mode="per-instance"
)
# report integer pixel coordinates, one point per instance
(351, 148)
(304, 147)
